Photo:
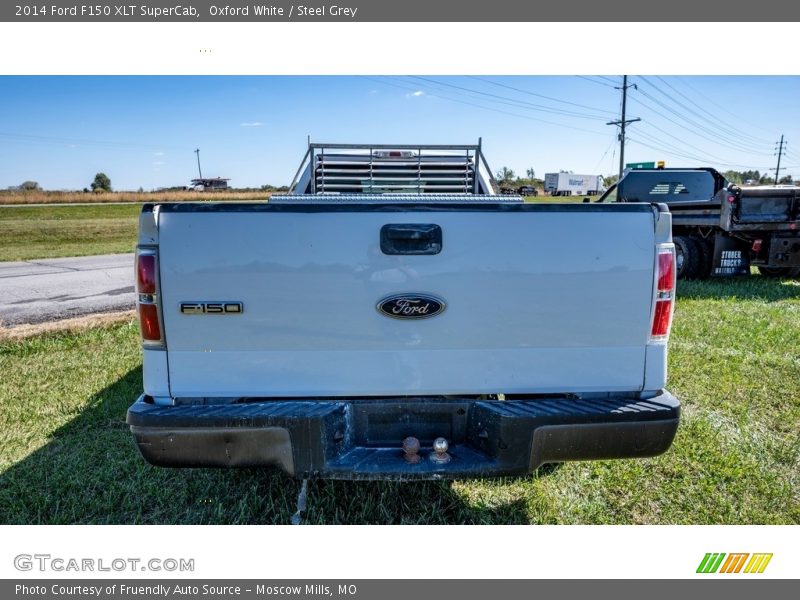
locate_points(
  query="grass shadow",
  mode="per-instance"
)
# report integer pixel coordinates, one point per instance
(478, 502)
(90, 472)
(754, 287)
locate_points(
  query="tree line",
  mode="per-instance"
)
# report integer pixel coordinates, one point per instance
(102, 183)
(755, 177)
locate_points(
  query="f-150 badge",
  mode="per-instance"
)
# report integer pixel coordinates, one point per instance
(211, 308)
(411, 306)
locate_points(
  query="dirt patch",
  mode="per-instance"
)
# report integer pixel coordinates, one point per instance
(19, 332)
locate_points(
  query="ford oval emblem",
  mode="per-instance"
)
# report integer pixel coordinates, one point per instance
(411, 306)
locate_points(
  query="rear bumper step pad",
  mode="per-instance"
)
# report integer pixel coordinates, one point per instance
(361, 439)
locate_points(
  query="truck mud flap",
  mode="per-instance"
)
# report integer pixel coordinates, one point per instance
(731, 257)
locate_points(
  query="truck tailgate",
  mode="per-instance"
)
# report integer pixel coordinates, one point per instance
(758, 209)
(539, 299)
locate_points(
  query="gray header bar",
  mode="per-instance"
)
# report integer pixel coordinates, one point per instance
(348, 11)
(417, 589)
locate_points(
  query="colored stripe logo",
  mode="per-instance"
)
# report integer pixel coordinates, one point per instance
(737, 562)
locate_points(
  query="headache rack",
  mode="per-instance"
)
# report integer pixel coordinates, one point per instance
(393, 169)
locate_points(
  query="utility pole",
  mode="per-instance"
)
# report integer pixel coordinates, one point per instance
(780, 149)
(622, 122)
(197, 151)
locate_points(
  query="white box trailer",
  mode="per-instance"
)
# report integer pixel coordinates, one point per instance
(570, 184)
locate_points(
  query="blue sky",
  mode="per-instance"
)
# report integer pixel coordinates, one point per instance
(142, 131)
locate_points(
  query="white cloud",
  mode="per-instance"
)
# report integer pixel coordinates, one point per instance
(159, 153)
(372, 92)
(251, 124)
(416, 94)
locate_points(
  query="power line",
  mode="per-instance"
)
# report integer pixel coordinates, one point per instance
(674, 148)
(723, 132)
(711, 101)
(715, 132)
(714, 140)
(689, 156)
(59, 140)
(707, 127)
(600, 162)
(490, 108)
(683, 142)
(661, 145)
(720, 123)
(694, 128)
(791, 154)
(635, 140)
(506, 99)
(522, 91)
(593, 81)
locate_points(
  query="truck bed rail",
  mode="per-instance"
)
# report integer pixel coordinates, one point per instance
(405, 199)
(395, 168)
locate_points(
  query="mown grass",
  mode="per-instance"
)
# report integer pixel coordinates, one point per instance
(15, 197)
(66, 455)
(31, 232)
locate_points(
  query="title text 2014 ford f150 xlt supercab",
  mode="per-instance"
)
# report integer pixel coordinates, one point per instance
(394, 318)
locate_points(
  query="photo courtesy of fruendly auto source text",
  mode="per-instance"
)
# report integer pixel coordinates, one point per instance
(397, 264)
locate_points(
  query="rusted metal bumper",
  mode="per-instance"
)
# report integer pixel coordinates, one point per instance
(362, 439)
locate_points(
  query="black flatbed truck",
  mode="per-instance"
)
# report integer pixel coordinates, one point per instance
(720, 229)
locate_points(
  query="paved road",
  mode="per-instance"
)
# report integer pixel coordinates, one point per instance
(34, 291)
(71, 204)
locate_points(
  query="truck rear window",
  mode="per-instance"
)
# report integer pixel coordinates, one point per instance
(686, 186)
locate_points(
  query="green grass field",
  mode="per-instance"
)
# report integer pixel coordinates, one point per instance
(66, 455)
(30, 232)
(18, 198)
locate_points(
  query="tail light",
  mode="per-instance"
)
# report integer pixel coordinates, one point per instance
(147, 296)
(665, 293)
(394, 154)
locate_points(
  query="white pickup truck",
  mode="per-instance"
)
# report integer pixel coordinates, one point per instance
(393, 318)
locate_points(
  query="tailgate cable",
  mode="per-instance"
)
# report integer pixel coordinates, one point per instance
(302, 501)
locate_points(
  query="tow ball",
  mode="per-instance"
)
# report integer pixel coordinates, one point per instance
(440, 448)
(411, 448)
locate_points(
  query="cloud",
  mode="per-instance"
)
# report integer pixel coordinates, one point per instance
(159, 153)
(416, 94)
(158, 163)
(371, 92)
(251, 124)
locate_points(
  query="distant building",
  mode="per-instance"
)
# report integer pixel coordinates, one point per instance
(211, 184)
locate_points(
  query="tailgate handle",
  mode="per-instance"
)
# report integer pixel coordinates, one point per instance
(413, 238)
